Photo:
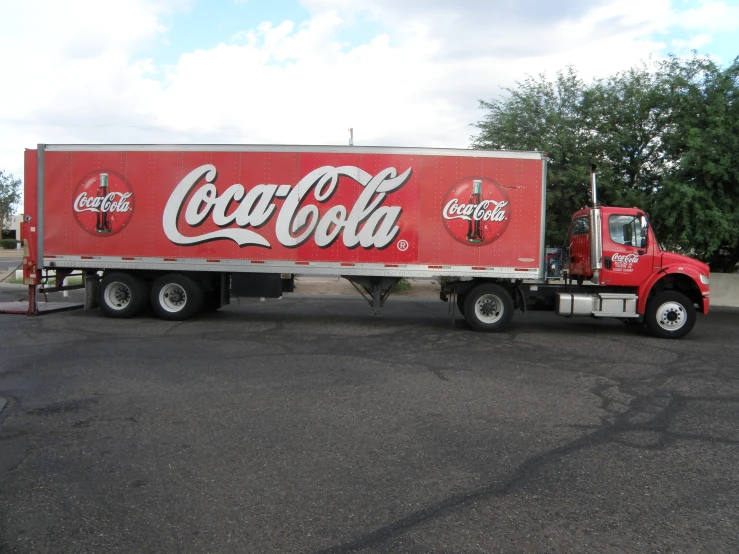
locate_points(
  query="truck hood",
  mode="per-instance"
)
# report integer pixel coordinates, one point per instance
(670, 259)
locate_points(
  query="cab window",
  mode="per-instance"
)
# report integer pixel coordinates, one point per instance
(580, 226)
(627, 230)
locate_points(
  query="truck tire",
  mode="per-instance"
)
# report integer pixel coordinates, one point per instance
(488, 307)
(122, 295)
(670, 315)
(176, 297)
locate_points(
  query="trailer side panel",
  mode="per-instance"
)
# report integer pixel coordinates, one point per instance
(303, 210)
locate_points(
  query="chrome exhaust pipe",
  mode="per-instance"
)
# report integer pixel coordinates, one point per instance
(593, 188)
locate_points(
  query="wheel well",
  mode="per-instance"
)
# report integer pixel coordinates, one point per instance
(208, 280)
(462, 287)
(680, 283)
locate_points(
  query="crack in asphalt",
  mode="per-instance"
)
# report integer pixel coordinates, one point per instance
(529, 469)
(662, 406)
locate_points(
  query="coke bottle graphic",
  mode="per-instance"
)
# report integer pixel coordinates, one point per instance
(103, 221)
(474, 228)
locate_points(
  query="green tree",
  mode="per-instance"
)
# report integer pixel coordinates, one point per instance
(696, 208)
(10, 195)
(626, 116)
(545, 115)
(665, 137)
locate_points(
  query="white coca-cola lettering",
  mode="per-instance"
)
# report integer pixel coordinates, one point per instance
(625, 258)
(113, 202)
(367, 223)
(476, 212)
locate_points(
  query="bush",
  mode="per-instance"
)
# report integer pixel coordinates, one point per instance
(402, 286)
(9, 244)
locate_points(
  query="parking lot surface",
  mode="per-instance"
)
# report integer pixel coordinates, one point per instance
(307, 425)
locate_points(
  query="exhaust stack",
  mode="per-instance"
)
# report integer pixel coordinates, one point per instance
(593, 189)
(596, 238)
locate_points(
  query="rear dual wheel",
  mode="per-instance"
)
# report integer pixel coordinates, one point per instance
(176, 297)
(488, 307)
(122, 295)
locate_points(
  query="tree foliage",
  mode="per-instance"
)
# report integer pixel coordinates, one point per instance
(10, 195)
(663, 135)
(697, 204)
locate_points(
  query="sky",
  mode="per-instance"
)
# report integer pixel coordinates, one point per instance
(399, 72)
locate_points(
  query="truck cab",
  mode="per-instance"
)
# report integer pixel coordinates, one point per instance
(627, 243)
(616, 249)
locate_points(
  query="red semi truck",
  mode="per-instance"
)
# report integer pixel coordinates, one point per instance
(182, 228)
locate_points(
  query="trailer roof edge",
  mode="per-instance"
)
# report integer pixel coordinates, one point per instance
(412, 151)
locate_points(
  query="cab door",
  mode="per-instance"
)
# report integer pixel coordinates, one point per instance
(580, 246)
(627, 255)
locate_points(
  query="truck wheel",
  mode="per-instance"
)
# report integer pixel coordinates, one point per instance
(176, 297)
(122, 295)
(488, 307)
(670, 315)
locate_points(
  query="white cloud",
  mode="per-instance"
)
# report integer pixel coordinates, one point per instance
(710, 16)
(81, 78)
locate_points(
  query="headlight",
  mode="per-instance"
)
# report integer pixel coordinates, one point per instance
(704, 279)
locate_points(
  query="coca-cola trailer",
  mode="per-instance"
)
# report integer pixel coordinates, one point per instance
(182, 228)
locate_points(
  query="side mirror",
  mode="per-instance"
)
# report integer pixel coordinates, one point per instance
(644, 226)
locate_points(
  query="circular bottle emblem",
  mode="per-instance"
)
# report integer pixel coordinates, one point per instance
(103, 203)
(476, 211)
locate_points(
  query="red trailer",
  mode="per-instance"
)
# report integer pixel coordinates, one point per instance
(183, 227)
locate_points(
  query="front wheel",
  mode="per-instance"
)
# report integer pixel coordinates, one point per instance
(176, 297)
(488, 307)
(670, 315)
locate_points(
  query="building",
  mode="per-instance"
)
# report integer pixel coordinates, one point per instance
(14, 231)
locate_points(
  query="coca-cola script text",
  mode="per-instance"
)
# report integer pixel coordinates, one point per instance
(368, 223)
(113, 202)
(476, 212)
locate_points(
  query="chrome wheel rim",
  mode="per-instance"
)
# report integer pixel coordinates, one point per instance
(671, 316)
(117, 295)
(489, 308)
(172, 297)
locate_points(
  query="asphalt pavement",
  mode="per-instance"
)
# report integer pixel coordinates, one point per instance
(307, 425)
(10, 260)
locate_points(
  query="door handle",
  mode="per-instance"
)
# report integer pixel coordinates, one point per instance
(607, 262)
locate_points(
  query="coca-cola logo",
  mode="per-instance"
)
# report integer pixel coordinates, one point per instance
(476, 211)
(103, 203)
(625, 258)
(236, 212)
